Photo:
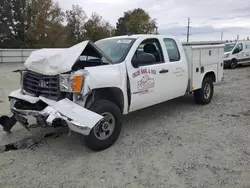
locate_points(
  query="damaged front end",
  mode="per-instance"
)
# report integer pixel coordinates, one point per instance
(34, 112)
(53, 87)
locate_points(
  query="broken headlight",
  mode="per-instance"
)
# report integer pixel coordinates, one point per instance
(71, 83)
(22, 75)
(65, 83)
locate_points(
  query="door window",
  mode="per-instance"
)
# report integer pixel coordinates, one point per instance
(151, 46)
(172, 49)
(238, 48)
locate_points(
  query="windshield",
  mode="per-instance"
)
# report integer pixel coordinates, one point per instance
(229, 47)
(115, 49)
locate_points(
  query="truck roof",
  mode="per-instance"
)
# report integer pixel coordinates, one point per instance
(140, 35)
(198, 43)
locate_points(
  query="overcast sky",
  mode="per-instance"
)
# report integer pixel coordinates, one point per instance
(208, 17)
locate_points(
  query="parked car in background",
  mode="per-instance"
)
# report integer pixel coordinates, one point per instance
(236, 53)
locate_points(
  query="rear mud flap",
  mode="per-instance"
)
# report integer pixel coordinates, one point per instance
(78, 118)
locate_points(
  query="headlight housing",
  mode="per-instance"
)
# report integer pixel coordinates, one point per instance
(72, 83)
(22, 75)
(226, 55)
(65, 83)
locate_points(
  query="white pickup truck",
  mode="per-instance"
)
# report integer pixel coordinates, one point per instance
(89, 86)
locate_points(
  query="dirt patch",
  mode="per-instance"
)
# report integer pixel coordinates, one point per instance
(29, 143)
(22, 144)
(246, 113)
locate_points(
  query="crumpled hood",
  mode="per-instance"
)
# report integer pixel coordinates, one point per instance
(51, 61)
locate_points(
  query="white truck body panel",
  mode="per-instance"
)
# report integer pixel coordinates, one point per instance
(201, 60)
(109, 76)
(104, 76)
(220, 71)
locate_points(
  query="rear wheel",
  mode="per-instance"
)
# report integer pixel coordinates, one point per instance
(106, 132)
(233, 64)
(205, 94)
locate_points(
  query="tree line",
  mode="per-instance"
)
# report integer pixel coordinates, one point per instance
(43, 23)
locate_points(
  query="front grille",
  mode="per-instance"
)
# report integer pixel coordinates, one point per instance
(41, 85)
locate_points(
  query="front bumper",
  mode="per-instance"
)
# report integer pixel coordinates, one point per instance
(78, 118)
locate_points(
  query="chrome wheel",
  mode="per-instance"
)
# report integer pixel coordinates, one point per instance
(207, 91)
(106, 127)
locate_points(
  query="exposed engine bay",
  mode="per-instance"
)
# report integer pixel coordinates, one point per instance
(90, 57)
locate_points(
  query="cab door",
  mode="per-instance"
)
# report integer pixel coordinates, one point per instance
(178, 66)
(239, 53)
(152, 83)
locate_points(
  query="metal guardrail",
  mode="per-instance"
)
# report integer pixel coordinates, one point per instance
(14, 55)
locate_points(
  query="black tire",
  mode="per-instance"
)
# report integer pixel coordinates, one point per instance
(201, 96)
(104, 106)
(233, 64)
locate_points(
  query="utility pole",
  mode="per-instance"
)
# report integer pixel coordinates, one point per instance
(156, 30)
(188, 29)
(221, 37)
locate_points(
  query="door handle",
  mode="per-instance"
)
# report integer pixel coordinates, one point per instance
(163, 71)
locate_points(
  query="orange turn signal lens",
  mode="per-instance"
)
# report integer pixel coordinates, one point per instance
(77, 84)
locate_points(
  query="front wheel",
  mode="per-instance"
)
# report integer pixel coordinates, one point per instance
(106, 132)
(233, 64)
(205, 94)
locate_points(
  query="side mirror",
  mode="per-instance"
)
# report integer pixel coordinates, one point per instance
(237, 50)
(143, 59)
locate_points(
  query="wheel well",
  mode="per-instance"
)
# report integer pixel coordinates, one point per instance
(111, 93)
(234, 59)
(211, 75)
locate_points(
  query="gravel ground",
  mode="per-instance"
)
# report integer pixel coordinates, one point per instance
(176, 144)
